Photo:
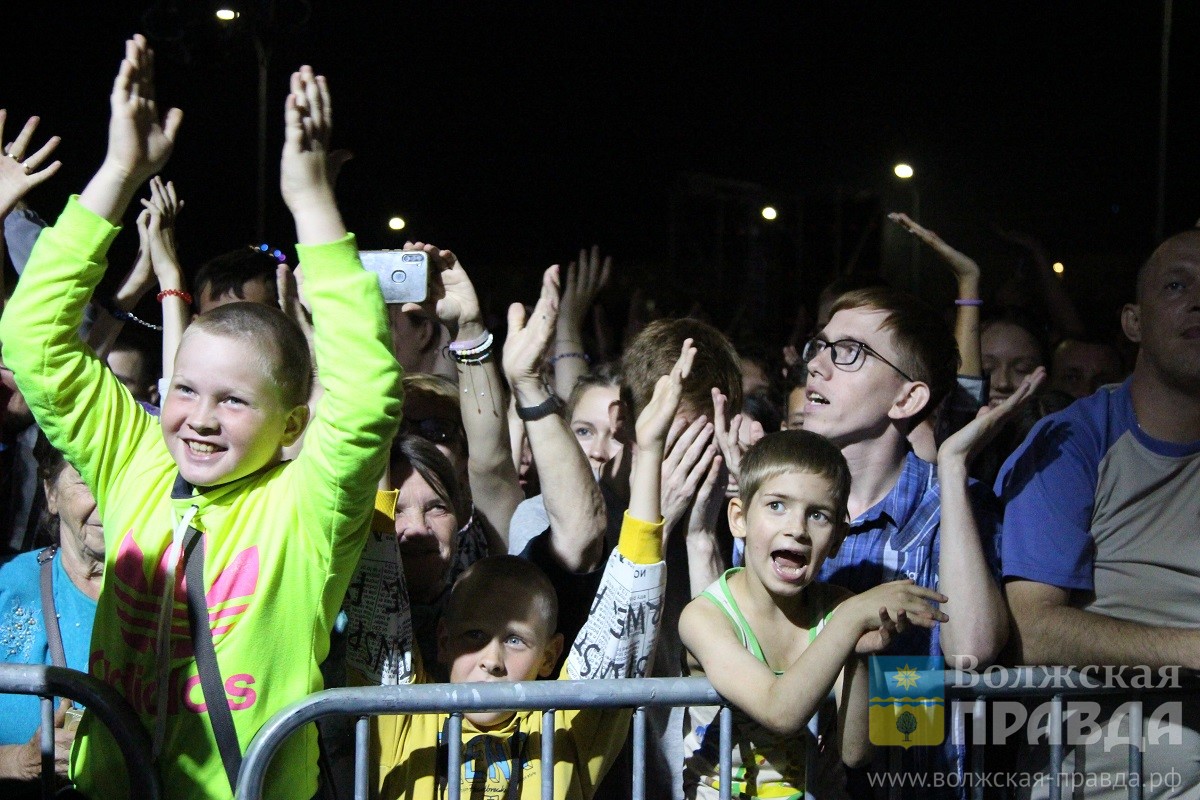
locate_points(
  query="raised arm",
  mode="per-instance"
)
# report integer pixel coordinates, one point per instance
(162, 210)
(573, 500)
(978, 628)
(346, 445)
(495, 489)
(18, 175)
(1063, 314)
(585, 279)
(82, 407)
(966, 275)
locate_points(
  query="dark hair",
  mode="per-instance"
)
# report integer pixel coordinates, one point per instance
(925, 346)
(760, 407)
(506, 569)
(256, 324)
(795, 451)
(1019, 319)
(229, 273)
(655, 350)
(435, 469)
(50, 464)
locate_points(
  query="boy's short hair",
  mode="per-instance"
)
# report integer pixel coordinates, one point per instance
(925, 346)
(655, 350)
(515, 571)
(256, 324)
(795, 451)
(229, 273)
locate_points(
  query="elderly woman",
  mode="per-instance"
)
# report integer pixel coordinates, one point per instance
(31, 633)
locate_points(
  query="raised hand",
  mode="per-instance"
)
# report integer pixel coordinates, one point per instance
(528, 339)
(308, 124)
(734, 437)
(655, 420)
(20, 171)
(690, 450)
(960, 449)
(585, 279)
(451, 294)
(161, 211)
(963, 266)
(139, 140)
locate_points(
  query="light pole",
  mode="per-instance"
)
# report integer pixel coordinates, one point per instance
(906, 173)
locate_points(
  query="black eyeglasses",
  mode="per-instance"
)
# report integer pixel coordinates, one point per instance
(846, 353)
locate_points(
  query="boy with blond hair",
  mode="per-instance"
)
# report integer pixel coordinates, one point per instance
(205, 492)
(768, 638)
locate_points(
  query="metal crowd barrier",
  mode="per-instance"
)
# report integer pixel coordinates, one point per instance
(101, 700)
(546, 696)
(1057, 684)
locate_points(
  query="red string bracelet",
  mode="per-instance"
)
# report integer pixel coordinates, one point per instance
(181, 294)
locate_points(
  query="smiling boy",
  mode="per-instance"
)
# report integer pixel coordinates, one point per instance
(275, 542)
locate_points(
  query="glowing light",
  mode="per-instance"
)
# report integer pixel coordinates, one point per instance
(903, 171)
(769, 212)
(227, 15)
(397, 223)
(1058, 267)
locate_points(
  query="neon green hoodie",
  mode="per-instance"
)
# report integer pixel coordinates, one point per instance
(280, 545)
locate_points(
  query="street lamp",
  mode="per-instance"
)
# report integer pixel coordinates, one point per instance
(769, 213)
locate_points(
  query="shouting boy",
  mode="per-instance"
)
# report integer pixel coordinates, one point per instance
(767, 637)
(267, 547)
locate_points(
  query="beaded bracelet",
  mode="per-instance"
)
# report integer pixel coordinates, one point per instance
(484, 339)
(555, 359)
(974, 301)
(473, 355)
(127, 316)
(180, 293)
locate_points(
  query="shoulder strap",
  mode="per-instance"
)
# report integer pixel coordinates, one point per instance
(49, 613)
(206, 658)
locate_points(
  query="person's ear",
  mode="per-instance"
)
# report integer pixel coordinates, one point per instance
(51, 496)
(425, 331)
(910, 401)
(550, 654)
(1131, 322)
(737, 518)
(294, 425)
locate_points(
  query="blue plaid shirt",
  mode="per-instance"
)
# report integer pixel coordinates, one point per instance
(898, 538)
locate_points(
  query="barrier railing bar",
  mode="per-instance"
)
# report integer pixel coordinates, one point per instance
(978, 735)
(362, 757)
(1056, 746)
(725, 769)
(639, 753)
(1135, 750)
(548, 754)
(47, 745)
(454, 762)
(101, 700)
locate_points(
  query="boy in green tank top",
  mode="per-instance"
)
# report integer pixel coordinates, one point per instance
(773, 641)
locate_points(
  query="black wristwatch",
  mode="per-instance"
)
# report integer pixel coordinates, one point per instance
(551, 405)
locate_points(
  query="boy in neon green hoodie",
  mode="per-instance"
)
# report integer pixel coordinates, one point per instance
(278, 541)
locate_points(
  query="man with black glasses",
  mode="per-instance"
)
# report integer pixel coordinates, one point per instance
(879, 367)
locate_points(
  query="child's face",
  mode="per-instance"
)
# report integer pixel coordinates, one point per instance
(223, 417)
(497, 634)
(855, 402)
(790, 526)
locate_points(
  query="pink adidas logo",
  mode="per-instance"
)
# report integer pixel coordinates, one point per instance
(138, 598)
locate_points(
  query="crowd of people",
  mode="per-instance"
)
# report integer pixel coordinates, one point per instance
(249, 515)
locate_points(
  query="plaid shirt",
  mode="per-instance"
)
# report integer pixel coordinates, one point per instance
(898, 538)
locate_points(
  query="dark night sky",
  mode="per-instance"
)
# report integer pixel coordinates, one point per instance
(515, 133)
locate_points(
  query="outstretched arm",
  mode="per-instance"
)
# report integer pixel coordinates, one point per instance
(573, 500)
(966, 275)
